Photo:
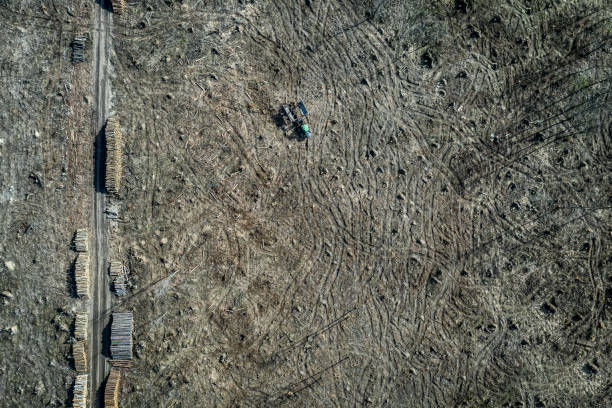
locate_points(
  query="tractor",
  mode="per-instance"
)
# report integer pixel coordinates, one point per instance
(299, 123)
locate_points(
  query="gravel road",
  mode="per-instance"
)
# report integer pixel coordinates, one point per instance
(100, 306)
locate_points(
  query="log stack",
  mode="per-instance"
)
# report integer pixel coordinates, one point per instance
(81, 274)
(79, 396)
(81, 242)
(80, 326)
(118, 6)
(78, 48)
(121, 339)
(79, 356)
(112, 134)
(117, 274)
(111, 392)
(121, 363)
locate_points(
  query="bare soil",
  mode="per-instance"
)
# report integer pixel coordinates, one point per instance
(442, 239)
(45, 176)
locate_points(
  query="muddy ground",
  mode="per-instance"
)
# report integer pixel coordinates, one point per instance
(442, 239)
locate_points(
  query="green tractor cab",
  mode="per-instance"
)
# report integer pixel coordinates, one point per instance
(305, 130)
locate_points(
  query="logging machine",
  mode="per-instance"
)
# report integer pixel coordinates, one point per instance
(299, 122)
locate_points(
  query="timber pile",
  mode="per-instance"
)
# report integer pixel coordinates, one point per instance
(121, 337)
(112, 134)
(78, 47)
(81, 274)
(117, 273)
(79, 396)
(119, 286)
(116, 269)
(120, 363)
(118, 6)
(112, 388)
(79, 356)
(81, 241)
(80, 326)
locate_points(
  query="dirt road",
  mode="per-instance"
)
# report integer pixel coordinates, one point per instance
(100, 305)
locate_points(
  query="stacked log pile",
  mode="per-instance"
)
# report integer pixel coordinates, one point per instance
(121, 339)
(78, 48)
(118, 6)
(111, 391)
(81, 243)
(117, 274)
(81, 274)
(114, 149)
(80, 326)
(79, 396)
(79, 356)
(121, 363)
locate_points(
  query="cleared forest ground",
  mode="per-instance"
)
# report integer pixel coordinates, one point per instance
(441, 240)
(45, 176)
